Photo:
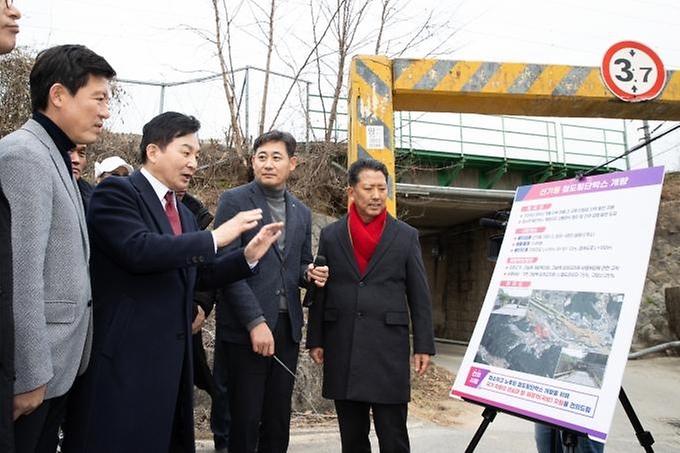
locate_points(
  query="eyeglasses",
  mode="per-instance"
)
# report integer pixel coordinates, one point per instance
(9, 3)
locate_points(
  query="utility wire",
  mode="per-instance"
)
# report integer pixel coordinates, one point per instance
(657, 127)
(631, 150)
(661, 153)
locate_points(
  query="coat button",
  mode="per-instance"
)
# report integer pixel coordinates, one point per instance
(360, 314)
(89, 303)
(362, 284)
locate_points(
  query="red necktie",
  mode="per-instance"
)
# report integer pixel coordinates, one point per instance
(171, 212)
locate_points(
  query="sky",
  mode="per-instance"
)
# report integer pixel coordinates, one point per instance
(156, 40)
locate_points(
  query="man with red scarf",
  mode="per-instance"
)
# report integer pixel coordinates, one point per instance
(359, 322)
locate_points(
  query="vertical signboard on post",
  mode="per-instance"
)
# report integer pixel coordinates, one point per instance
(555, 328)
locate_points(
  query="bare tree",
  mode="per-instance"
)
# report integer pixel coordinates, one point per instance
(224, 51)
(267, 67)
(338, 29)
(385, 11)
(346, 26)
(307, 60)
(392, 32)
(225, 56)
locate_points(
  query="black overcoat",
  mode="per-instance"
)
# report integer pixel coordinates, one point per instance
(143, 280)
(362, 321)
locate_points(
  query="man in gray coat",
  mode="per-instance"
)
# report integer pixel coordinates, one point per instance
(69, 95)
(359, 322)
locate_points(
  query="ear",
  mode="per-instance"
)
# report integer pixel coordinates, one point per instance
(293, 163)
(350, 194)
(57, 95)
(152, 151)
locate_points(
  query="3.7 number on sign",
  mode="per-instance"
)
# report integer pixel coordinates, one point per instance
(633, 71)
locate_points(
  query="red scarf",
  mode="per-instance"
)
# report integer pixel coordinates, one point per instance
(365, 236)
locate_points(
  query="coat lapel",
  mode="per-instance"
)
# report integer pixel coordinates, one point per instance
(386, 239)
(185, 218)
(152, 202)
(346, 246)
(67, 179)
(155, 207)
(259, 201)
(291, 222)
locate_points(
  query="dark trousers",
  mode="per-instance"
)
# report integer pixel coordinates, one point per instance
(355, 424)
(220, 418)
(39, 431)
(260, 391)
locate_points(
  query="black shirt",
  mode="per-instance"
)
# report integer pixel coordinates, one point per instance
(59, 137)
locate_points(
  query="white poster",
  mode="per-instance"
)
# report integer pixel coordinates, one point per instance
(555, 328)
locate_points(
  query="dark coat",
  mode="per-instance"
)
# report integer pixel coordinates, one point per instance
(259, 295)
(86, 190)
(362, 322)
(203, 378)
(143, 280)
(6, 329)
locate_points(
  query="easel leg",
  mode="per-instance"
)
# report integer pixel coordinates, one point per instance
(489, 414)
(644, 437)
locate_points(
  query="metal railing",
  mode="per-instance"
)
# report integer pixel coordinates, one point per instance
(503, 137)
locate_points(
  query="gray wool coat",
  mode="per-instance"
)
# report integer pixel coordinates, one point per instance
(52, 313)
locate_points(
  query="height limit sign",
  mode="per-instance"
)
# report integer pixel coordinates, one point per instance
(633, 71)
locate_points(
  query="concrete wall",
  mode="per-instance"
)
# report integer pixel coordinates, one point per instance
(459, 274)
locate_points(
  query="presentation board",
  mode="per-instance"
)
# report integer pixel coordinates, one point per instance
(554, 331)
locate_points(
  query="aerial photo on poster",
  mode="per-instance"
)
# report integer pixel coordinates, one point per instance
(564, 335)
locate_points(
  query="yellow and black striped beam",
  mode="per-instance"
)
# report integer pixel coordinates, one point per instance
(520, 89)
(371, 122)
(379, 86)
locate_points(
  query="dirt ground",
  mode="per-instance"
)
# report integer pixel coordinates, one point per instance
(430, 399)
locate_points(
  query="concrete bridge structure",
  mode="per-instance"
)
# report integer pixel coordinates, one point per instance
(444, 183)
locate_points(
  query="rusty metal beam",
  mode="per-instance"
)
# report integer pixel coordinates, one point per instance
(520, 89)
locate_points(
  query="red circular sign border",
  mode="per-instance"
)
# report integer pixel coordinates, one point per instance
(656, 89)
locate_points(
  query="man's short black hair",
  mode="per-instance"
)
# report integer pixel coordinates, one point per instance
(364, 164)
(70, 65)
(277, 136)
(164, 128)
